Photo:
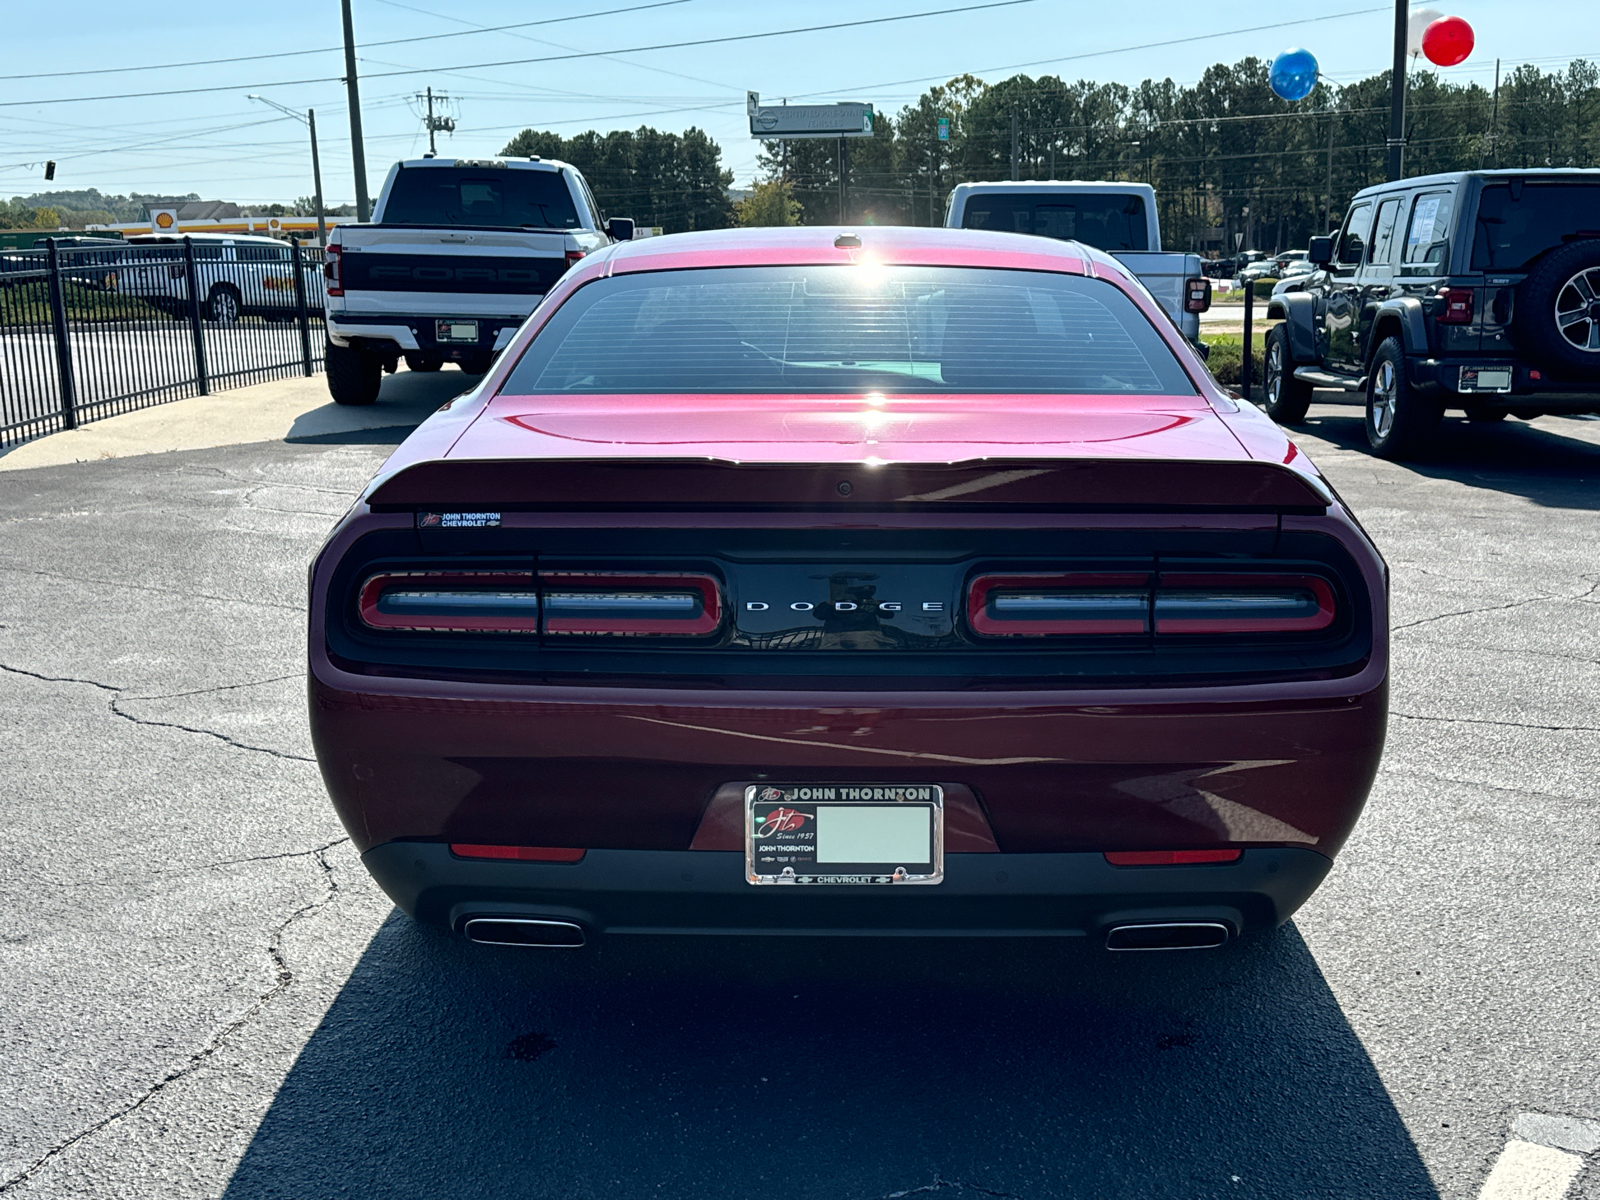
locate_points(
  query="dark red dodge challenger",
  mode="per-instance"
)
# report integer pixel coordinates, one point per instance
(813, 582)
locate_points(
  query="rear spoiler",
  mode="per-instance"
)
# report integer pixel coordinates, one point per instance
(628, 484)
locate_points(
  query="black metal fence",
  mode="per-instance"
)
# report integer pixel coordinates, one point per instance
(90, 332)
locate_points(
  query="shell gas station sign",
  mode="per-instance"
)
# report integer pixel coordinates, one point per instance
(163, 220)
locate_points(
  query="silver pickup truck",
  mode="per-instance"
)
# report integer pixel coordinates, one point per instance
(1119, 218)
(458, 253)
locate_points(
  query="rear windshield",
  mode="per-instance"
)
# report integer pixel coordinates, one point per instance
(1106, 222)
(1517, 225)
(831, 329)
(516, 199)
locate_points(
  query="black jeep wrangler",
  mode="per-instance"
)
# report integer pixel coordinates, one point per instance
(1475, 290)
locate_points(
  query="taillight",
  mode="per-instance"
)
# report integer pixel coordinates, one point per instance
(1196, 295)
(1457, 308)
(1169, 858)
(573, 256)
(330, 270)
(1041, 605)
(451, 601)
(1195, 603)
(561, 854)
(619, 604)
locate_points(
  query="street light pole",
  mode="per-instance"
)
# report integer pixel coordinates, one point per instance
(1397, 91)
(309, 118)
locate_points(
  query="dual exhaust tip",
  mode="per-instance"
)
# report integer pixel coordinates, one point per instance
(532, 931)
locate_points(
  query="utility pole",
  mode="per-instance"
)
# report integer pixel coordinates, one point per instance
(841, 181)
(436, 124)
(1397, 92)
(358, 153)
(1327, 206)
(1015, 165)
(309, 117)
(1494, 119)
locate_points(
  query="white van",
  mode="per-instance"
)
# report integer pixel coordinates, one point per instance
(235, 275)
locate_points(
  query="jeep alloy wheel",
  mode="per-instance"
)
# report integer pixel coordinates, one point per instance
(1578, 310)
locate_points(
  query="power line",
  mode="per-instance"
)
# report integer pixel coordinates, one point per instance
(518, 62)
(427, 37)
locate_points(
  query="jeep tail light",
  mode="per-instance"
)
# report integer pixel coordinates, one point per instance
(1195, 603)
(1169, 858)
(1196, 295)
(1041, 605)
(573, 256)
(560, 854)
(451, 602)
(622, 604)
(1457, 308)
(330, 269)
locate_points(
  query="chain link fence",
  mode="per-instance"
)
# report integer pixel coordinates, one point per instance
(90, 332)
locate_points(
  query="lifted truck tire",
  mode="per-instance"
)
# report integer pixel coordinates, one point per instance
(1283, 397)
(1399, 420)
(354, 376)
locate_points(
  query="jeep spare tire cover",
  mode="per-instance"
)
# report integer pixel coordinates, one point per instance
(1556, 323)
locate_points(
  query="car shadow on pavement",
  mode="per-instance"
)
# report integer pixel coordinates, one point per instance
(820, 1068)
(1554, 463)
(405, 400)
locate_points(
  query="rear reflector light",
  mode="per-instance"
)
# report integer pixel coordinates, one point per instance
(1041, 605)
(452, 601)
(1457, 308)
(616, 604)
(1196, 603)
(564, 854)
(1169, 858)
(330, 270)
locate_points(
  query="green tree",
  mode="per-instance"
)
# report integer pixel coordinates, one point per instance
(769, 203)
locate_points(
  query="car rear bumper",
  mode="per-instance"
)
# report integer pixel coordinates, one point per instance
(418, 334)
(1441, 377)
(982, 895)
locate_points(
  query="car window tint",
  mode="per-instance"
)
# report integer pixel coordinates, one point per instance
(1383, 233)
(1106, 221)
(497, 197)
(211, 251)
(1516, 226)
(908, 330)
(261, 253)
(1353, 241)
(1428, 235)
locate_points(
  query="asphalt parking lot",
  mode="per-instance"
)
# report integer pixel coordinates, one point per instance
(205, 995)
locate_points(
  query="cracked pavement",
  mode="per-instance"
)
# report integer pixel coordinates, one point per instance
(206, 996)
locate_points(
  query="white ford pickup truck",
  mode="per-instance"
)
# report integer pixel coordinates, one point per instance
(458, 253)
(1119, 218)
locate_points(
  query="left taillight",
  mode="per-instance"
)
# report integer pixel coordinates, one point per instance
(1241, 603)
(1018, 605)
(619, 604)
(574, 256)
(451, 601)
(331, 270)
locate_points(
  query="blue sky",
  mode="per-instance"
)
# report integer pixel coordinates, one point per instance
(224, 146)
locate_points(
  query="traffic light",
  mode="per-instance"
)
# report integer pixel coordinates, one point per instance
(49, 170)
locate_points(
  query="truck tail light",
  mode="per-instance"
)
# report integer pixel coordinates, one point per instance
(330, 270)
(620, 604)
(1196, 295)
(1457, 308)
(573, 256)
(1170, 858)
(1059, 604)
(1239, 603)
(451, 602)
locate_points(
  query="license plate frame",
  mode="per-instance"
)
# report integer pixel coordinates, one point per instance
(1496, 380)
(456, 332)
(825, 820)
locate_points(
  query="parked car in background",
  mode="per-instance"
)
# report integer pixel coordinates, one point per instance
(1474, 290)
(1119, 218)
(1264, 268)
(1295, 277)
(1284, 259)
(458, 253)
(236, 275)
(857, 582)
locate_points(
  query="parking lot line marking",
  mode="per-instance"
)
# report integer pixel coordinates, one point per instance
(1526, 1171)
(1564, 1133)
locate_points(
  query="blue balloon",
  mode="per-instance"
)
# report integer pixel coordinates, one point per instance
(1294, 74)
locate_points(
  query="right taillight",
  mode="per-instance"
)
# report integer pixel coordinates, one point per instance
(1196, 295)
(1240, 603)
(1059, 605)
(330, 270)
(451, 602)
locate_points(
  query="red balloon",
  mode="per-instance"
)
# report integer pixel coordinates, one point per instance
(1447, 41)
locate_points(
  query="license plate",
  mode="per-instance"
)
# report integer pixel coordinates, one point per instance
(457, 331)
(1485, 379)
(844, 833)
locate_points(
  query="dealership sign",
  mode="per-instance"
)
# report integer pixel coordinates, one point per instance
(808, 120)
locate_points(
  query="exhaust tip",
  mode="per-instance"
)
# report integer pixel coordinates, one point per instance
(523, 931)
(1177, 935)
